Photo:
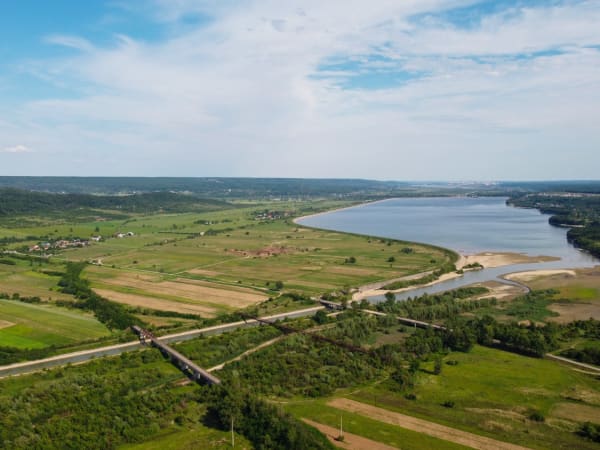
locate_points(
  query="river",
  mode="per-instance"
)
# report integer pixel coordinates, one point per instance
(465, 224)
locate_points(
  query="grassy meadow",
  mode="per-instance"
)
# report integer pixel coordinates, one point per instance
(24, 325)
(494, 393)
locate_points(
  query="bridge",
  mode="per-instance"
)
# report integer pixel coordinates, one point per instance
(196, 372)
(83, 356)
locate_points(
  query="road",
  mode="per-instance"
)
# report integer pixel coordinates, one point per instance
(86, 355)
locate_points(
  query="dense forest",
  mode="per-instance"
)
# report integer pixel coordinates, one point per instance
(579, 212)
(262, 188)
(22, 202)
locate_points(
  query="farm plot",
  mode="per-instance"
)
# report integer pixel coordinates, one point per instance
(36, 325)
(178, 294)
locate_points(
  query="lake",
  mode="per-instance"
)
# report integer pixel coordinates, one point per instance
(465, 224)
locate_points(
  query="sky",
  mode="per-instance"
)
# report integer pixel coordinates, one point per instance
(378, 89)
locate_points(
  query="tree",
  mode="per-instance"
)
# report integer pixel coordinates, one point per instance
(279, 285)
(437, 365)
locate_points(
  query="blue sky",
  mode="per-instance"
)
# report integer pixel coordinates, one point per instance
(417, 89)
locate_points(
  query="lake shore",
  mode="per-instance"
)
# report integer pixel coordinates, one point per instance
(322, 213)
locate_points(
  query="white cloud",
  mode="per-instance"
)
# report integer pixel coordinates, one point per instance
(16, 149)
(238, 95)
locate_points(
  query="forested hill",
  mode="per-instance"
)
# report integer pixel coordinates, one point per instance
(22, 202)
(271, 188)
(578, 211)
(206, 187)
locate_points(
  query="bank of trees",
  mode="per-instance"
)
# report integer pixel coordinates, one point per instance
(113, 315)
(263, 424)
(437, 306)
(580, 212)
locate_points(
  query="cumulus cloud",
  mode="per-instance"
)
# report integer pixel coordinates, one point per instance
(16, 149)
(248, 92)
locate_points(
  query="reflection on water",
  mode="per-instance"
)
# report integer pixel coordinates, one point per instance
(467, 225)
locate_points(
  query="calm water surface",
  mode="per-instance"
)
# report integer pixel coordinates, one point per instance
(466, 225)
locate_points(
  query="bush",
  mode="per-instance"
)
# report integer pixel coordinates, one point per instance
(537, 416)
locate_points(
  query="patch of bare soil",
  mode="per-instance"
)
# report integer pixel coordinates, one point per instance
(264, 252)
(423, 426)
(351, 441)
(156, 303)
(205, 272)
(568, 312)
(530, 275)
(5, 324)
(577, 412)
(194, 290)
(502, 290)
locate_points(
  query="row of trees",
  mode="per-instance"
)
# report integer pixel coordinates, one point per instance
(113, 315)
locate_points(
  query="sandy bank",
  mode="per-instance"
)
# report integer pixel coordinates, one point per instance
(489, 259)
(532, 274)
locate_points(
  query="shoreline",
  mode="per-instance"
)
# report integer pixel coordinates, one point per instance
(358, 205)
(489, 260)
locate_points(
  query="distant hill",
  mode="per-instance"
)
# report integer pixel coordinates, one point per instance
(272, 188)
(207, 187)
(24, 202)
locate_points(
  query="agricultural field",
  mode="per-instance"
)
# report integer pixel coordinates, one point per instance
(28, 326)
(154, 291)
(305, 260)
(217, 262)
(31, 280)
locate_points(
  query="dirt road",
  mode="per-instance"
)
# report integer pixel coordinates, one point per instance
(423, 426)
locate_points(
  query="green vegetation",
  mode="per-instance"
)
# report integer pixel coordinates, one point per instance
(437, 306)
(21, 202)
(579, 212)
(532, 306)
(109, 313)
(394, 436)
(494, 393)
(31, 326)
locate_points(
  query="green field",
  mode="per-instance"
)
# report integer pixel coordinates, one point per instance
(191, 438)
(231, 248)
(30, 281)
(494, 393)
(306, 260)
(37, 325)
(369, 428)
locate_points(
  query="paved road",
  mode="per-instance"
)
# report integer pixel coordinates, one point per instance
(86, 355)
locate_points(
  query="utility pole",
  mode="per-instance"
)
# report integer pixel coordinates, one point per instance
(341, 428)
(232, 435)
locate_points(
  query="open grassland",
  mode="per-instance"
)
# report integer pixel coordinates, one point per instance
(494, 393)
(578, 296)
(38, 326)
(30, 281)
(383, 433)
